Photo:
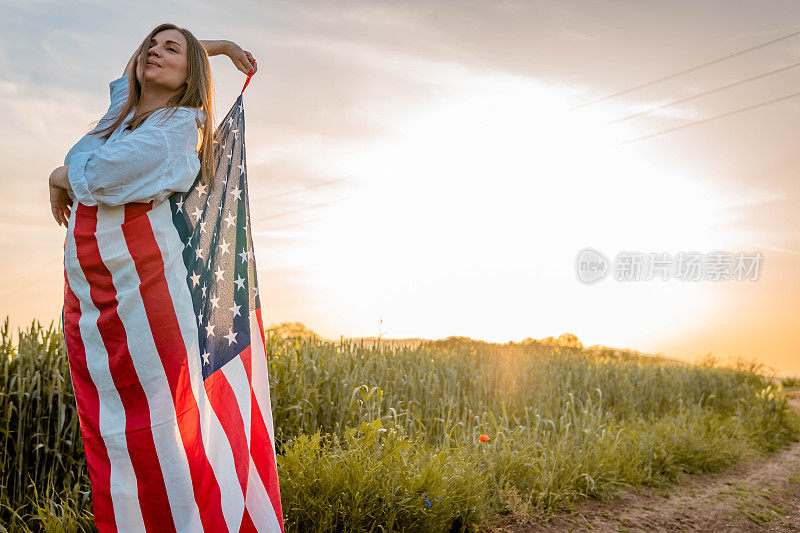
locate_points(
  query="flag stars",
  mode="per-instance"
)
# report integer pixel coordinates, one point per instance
(236, 192)
(230, 219)
(223, 247)
(207, 277)
(231, 336)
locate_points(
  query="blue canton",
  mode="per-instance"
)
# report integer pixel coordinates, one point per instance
(213, 222)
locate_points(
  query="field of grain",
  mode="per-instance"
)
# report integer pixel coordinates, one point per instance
(385, 438)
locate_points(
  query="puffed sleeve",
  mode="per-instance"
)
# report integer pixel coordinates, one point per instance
(150, 163)
(118, 90)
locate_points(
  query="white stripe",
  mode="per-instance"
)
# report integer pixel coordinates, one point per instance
(219, 453)
(124, 492)
(260, 379)
(149, 368)
(215, 441)
(259, 505)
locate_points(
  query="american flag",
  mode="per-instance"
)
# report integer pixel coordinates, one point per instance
(214, 223)
(174, 409)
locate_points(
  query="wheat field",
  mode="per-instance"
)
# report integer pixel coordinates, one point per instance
(445, 435)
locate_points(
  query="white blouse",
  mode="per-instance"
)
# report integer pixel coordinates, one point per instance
(153, 161)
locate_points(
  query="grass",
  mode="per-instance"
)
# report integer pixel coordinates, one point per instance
(385, 438)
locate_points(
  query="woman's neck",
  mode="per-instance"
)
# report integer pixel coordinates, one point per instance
(152, 98)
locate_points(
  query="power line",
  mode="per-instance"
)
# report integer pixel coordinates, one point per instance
(300, 189)
(278, 215)
(706, 93)
(291, 225)
(729, 113)
(685, 71)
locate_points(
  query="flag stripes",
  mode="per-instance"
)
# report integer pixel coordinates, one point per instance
(175, 417)
(158, 303)
(98, 462)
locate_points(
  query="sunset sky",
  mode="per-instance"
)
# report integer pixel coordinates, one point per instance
(420, 162)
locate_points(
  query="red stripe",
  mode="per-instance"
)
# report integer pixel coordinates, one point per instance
(261, 327)
(261, 448)
(223, 401)
(88, 403)
(151, 489)
(169, 342)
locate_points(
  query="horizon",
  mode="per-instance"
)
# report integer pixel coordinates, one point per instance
(423, 172)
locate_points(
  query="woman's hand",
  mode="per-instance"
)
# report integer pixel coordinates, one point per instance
(243, 60)
(60, 202)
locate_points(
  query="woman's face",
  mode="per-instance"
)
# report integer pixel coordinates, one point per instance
(166, 64)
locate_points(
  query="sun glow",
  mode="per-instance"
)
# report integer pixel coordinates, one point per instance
(469, 216)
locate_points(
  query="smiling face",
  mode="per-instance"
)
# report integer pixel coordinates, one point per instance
(166, 64)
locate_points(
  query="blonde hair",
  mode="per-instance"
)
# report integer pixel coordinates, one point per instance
(198, 93)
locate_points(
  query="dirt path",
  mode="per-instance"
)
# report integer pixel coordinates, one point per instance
(759, 494)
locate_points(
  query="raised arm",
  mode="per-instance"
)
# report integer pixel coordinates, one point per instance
(129, 68)
(214, 47)
(118, 91)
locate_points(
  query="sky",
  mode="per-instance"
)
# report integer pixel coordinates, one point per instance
(421, 169)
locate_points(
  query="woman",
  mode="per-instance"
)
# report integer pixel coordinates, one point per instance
(124, 273)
